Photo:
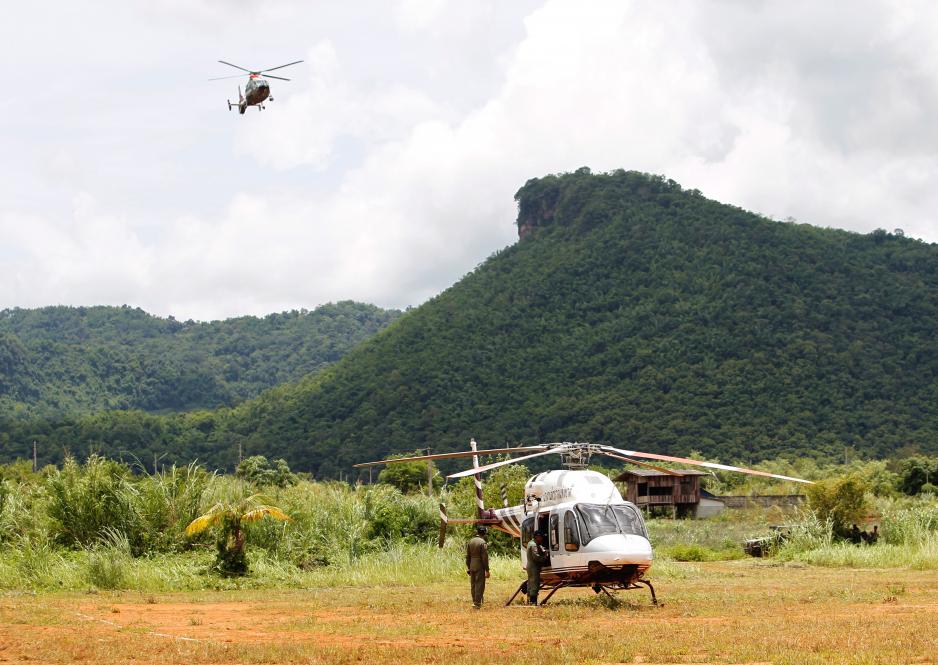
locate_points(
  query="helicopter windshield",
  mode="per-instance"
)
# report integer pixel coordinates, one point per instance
(600, 520)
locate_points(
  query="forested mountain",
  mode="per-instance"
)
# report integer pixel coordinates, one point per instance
(74, 360)
(632, 312)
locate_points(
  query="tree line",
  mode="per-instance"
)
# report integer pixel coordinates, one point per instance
(634, 312)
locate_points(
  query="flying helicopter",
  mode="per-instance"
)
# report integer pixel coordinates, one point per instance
(257, 90)
(594, 537)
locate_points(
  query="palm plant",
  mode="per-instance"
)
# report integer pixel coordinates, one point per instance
(231, 519)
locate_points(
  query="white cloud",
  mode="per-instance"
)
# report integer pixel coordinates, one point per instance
(385, 170)
(328, 109)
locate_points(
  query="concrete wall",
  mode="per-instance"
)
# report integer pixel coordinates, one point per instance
(709, 507)
(764, 501)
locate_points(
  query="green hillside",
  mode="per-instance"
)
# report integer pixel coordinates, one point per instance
(632, 312)
(71, 360)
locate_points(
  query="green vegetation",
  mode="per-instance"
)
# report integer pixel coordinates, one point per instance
(633, 312)
(410, 476)
(838, 501)
(59, 361)
(97, 524)
(231, 520)
(908, 539)
(259, 472)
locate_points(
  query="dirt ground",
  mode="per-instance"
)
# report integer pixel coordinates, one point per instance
(731, 612)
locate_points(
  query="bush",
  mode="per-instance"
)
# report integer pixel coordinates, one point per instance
(409, 477)
(917, 472)
(85, 503)
(393, 516)
(839, 501)
(258, 471)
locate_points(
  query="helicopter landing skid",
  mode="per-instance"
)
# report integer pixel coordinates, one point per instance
(604, 588)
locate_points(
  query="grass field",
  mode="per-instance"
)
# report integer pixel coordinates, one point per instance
(745, 611)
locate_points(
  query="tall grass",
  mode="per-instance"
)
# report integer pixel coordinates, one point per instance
(96, 525)
(908, 538)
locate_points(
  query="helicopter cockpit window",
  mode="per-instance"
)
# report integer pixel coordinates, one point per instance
(630, 521)
(571, 535)
(601, 520)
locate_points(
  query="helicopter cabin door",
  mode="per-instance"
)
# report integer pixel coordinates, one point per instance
(564, 536)
(527, 534)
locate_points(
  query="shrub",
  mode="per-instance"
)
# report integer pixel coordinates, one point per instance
(393, 516)
(258, 471)
(87, 502)
(916, 472)
(838, 500)
(409, 477)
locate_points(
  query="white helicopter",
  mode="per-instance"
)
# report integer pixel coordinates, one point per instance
(594, 538)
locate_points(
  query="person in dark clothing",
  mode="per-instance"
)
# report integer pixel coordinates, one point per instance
(537, 557)
(855, 536)
(477, 565)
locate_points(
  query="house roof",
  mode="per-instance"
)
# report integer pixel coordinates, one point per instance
(651, 473)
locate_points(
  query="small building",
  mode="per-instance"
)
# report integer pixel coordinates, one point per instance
(677, 492)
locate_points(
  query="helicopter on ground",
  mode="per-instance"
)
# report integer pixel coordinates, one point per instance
(257, 90)
(594, 538)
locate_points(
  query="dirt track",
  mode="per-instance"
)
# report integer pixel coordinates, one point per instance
(722, 613)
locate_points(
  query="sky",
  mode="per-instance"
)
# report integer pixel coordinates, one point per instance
(385, 169)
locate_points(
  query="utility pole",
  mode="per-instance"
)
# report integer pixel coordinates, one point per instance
(35, 459)
(240, 452)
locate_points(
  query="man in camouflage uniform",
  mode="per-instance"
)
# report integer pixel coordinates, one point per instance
(537, 557)
(477, 565)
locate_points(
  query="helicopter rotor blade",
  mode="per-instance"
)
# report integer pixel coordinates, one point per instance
(236, 76)
(270, 69)
(709, 465)
(494, 465)
(670, 472)
(271, 76)
(237, 67)
(468, 453)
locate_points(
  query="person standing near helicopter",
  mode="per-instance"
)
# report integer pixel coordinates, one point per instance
(537, 557)
(477, 565)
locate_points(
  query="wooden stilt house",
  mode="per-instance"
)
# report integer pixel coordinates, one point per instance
(677, 492)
